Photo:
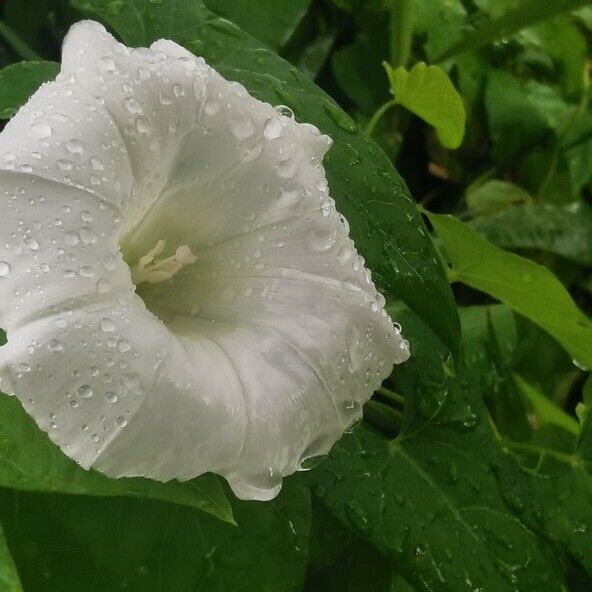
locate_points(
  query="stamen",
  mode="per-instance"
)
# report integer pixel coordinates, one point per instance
(152, 270)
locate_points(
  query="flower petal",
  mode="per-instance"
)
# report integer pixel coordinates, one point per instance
(65, 135)
(265, 347)
(199, 145)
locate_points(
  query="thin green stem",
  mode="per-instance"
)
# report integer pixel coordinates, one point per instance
(378, 116)
(17, 44)
(391, 395)
(383, 418)
(402, 21)
(572, 459)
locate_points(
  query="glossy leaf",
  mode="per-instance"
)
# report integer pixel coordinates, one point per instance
(551, 491)
(272, 22)
(428, 499)
(565, 231)
(428, 92)
(19, 81)
(77, 544)
(30, 461)
(529, 288)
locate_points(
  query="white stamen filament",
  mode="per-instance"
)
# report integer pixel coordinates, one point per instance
(152, 270)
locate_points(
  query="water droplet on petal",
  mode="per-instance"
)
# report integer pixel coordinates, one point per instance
(285, 111)
(107, 325)
(85, 391)
(123, 345)
(31, 243)
(71, 239)
(41, 130)
(273, 128)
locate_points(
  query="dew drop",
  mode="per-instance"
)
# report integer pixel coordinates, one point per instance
(285, 111)
(165, 99)
(85, 391)
(103, 286)
(123, 345)
(41, 130)
(132, 105)
(71, 239)
(32, 244)
(111, 397)
(74, 147)
(4, 269)
(107, 325)
(88, 236)
(273, 128)
(342, 119)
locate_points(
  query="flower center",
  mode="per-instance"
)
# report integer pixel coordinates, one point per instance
(150, 269)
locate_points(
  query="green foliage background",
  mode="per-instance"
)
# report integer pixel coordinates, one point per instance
(472, 469)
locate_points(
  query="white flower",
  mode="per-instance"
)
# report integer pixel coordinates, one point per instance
(178, 291)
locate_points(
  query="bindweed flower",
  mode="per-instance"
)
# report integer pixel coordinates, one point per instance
(179, 293)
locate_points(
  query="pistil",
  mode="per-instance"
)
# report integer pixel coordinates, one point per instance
(152, 270)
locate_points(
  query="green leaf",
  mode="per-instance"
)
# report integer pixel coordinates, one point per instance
(561, 40)
(77, 544)
(490, 338)
(495, 195)
(19, 81)
(551, 491)
(530, 289)
(427, 498)
(367, 189)
(358, 72)
(565, 231)
(527, 14)
(495, 8)
(30, 461)
(440, 24)
(546, 411)
(538, 470)
(428, 92)
(270, 21)
(423, 501)
(350, 572)
(519, 114)
(9, 578)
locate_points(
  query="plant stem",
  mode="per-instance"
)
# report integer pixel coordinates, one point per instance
(17, 44)
(383, 418)
(378, 115)
(401, 31)
(391, 395)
